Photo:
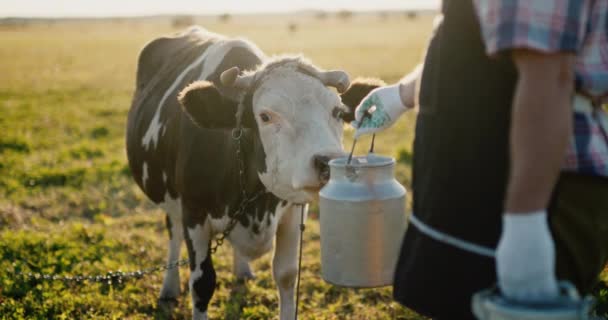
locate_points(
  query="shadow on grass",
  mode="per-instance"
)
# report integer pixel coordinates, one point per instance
(600, 292)
(237, 301)
(166, 309)
(233, 308)
(404, 156)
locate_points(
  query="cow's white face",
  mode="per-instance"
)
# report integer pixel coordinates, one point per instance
(295, 114)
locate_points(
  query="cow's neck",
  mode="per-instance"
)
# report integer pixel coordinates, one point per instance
(253, 163)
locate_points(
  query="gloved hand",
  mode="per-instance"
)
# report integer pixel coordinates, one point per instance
(525, 258)
(388, 107)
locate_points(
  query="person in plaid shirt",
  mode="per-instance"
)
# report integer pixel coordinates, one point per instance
(511, 153)
(578, 27)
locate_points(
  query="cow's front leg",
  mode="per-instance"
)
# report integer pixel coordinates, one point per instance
(285, 260)
(170, 290)
(202, 274)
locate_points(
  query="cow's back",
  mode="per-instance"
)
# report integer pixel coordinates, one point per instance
(158, 131)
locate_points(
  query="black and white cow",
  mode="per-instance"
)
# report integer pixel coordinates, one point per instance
(184, 157)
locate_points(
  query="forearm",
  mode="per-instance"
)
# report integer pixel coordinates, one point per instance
(386, 104)
(408, 86)
(540, 130)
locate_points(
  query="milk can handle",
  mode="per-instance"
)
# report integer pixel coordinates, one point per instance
(371, 148)
(352, 149)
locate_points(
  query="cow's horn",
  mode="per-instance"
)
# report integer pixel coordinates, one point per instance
(335, 78)
(231, 78)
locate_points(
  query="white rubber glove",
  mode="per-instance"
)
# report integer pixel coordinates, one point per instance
(388, 107)
(525, 258)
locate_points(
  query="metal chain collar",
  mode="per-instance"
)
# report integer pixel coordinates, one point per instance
(237, 134)
(109, 278)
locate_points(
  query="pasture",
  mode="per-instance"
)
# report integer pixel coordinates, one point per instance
(69, 206)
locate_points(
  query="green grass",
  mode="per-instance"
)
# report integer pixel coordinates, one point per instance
(68, 204)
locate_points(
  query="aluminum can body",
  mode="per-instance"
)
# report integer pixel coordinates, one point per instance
(362, 221)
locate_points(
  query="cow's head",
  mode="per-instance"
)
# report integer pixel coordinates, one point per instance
(296, 121)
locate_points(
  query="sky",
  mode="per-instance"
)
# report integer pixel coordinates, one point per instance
(107, 8)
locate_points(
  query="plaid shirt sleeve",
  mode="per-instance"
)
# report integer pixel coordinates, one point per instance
(543, 25)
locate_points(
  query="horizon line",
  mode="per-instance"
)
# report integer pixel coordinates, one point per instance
(215, 13)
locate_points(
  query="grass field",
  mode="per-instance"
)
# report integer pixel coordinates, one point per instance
(68, 204)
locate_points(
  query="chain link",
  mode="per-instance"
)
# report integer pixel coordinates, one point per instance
(219, 240)
(109, 278)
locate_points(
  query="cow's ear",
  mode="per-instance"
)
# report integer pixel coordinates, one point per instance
(206, 106)
(358, 89)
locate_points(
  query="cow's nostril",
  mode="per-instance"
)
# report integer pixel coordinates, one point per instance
(321, 163)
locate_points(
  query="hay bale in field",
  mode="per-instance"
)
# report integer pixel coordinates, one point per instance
(383, 15)
(411, 15)
(344, 14)
(292, 27)
(179, 22)
(225, 17)
(321, 15)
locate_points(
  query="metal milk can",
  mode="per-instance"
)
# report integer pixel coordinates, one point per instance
(363, 222)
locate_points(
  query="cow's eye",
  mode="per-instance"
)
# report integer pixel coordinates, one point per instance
(265, 117)
(338, 113)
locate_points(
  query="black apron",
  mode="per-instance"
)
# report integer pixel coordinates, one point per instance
(460, 167)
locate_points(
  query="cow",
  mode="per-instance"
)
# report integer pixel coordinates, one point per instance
(216, 126)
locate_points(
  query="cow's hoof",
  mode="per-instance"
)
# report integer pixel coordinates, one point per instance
(242, 270)
(245, 275)
(166, 307)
